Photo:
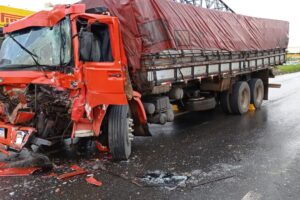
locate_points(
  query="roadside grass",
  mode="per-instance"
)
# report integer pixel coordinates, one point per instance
(285, 69)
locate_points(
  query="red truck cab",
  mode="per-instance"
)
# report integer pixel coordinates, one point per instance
(60, 71)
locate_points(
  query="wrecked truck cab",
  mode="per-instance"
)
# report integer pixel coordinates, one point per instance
(61, 73)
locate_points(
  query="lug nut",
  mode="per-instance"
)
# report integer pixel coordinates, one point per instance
(131, 137)
(130, 130)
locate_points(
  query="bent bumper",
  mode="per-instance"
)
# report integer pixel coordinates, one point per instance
(14, 137)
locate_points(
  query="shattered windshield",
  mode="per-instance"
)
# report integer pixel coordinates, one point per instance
(51, 46)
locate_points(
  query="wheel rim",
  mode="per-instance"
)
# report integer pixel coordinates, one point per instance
(259, 94)
(130, 136)
(245, 101)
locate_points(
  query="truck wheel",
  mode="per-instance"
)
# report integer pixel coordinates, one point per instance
(240, 98)
(257, 92)
(120, 132)
(225, 102)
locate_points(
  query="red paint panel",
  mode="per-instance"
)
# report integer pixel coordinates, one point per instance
(11, 134)
(141, 111)
(18, 171)
(36, 77)
(77, 171)
(105, 81)
(23, 117)
(93, 181)
(101, 148)
(45, 18)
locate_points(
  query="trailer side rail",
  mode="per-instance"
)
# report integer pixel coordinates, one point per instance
(176, 66)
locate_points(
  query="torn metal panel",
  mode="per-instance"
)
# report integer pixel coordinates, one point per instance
(18, 171)
(93, 181)
(77, 171)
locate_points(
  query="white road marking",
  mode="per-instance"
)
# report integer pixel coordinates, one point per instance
(252, 196)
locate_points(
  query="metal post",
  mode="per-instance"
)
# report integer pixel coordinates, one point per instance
(210, 4)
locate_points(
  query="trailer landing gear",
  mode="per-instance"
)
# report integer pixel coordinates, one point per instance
(120, 129)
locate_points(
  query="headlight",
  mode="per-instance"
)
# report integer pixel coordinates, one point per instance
(20, 137)
(2, 133)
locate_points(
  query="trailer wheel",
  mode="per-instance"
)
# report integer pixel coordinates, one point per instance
(257, 92)
(120, 132)
(240, 98)
(225, 102)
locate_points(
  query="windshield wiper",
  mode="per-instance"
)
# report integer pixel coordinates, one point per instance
(14, 67)
(33, 56)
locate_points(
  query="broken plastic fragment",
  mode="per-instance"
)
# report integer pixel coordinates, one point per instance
(101, 148)
(77, 171)
(18, 171)
(164, 179)
(52, 174)
(93, 181)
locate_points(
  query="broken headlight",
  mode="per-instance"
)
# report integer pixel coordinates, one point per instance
(2, 133)
(20, 137)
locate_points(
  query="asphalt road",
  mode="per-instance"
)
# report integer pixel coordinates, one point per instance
(211, 155)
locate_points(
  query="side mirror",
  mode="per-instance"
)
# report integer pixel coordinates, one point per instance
(85, 45)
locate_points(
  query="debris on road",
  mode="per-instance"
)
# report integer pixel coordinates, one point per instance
(52, 174)
(212, 181)
(164, 179)
(93, 181)
(101, 148)
(77, 171)
(218, 172)
(25, 159)
(57, 190)
(18, 171)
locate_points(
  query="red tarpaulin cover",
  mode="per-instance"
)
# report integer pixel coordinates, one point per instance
(151, 26)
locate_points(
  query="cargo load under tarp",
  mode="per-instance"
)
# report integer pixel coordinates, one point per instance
(151, 26)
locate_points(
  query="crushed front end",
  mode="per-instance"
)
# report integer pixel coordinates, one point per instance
(60, 73)
(42, 96)
(33, 115)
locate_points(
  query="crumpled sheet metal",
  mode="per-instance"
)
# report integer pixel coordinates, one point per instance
(93, 181)
(151, 26)
(77, 171)
(24, 163)
(18, 171)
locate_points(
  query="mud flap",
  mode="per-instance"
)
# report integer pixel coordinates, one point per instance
(140, 124)
(141, 130)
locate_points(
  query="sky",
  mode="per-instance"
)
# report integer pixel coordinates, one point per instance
(275, 9)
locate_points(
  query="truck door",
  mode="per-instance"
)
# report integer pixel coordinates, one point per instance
(104, 74)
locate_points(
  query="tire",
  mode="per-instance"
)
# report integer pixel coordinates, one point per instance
(257, 92)
(201, 105)
(225, 102)
(118, 132)
(240, 98)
